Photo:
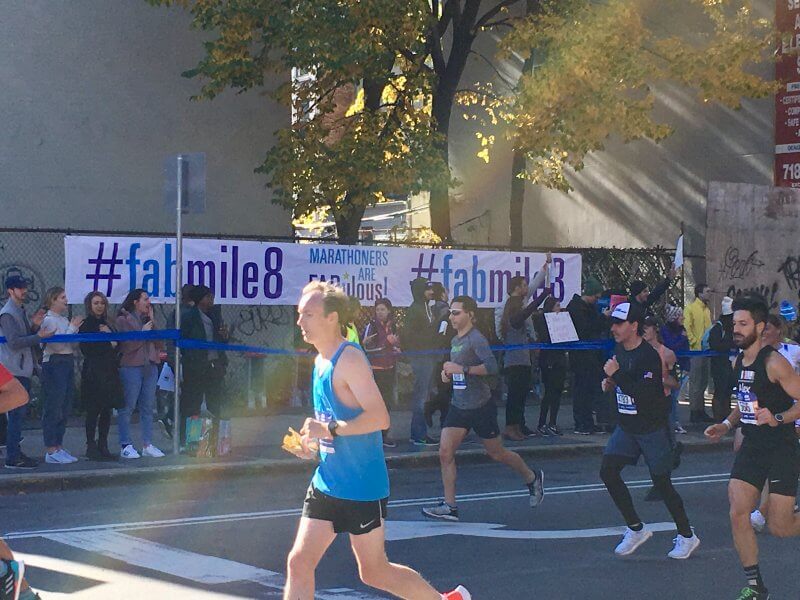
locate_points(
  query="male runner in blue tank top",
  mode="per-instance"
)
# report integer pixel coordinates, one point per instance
(766, 385)
(350, 488)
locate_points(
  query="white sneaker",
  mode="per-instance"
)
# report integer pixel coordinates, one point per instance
(632, 540)
(56, 458)
(758, 521)
(684, 546)
(67, 456)
(129, 452)
(152, 452)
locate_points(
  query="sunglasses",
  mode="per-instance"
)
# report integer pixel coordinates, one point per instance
(455, 312)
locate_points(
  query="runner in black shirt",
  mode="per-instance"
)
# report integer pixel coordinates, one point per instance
(765, 387)
(635, 374)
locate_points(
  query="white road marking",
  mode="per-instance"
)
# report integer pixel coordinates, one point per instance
(192, 566)
(294, 512)
(139, 552)
(408, 530)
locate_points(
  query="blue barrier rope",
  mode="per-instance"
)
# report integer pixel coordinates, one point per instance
(192, 344)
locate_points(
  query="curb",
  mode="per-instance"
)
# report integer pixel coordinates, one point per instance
(78, 480)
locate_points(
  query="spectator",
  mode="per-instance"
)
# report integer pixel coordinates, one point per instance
(420, 337)
(139, 374)
(101, 387)
(698, 321)
(440, 400)
(674, 337)
(644, 298)
(517, 363)
(587, 365)
(203, 369)
(382, 345)
(350, 330)
(165, 399)
(17, 356)
(720, 339)
(553, 366)
(58, 377)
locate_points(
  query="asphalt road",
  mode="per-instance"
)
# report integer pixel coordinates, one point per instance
(229, 539)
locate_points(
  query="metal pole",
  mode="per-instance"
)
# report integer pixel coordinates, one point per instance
(176, 423)
(683, 270)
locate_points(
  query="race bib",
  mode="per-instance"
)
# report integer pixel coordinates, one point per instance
(459, 381)
(748, 405)
(626, 405)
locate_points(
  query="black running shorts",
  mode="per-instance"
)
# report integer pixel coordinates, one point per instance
(779, 465)
(347, 516)
(482, 420)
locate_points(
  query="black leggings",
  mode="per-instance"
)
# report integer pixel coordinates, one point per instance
(518, 382)
(553, 380)
(98, 419)
(610, 474)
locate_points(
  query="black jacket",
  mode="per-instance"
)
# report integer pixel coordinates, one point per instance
(590, 325)
(101, 386)
(420, 329)
(192, 328)
(655, 295)
(720, 339)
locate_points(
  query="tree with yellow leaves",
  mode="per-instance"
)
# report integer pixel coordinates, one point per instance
(385, 77)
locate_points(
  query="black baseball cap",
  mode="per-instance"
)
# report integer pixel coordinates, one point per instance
(627, 311)
(16, 282)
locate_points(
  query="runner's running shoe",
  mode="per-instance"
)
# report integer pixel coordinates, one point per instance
(11, 581)
(460, 593)
(442, 511)
(632, 540)
(749, 593)
(684, 546)
(536, 488)
(758, 521)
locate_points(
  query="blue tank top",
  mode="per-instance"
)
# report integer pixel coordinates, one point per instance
(351, 467)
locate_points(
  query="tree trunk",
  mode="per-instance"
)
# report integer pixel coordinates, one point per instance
(518, 163)
(348, 220)
(440, 192)
(517, 200)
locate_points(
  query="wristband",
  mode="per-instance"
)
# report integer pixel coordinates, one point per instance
(728, 424)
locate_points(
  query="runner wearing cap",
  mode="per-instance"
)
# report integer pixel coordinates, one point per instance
(634, 372)
(765, 387)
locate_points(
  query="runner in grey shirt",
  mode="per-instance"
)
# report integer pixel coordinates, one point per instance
(472, 350)
(471, 363)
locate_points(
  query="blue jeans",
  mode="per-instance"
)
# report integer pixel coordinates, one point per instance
(14, 431)
(422, 366)
(676, 394)
(139, 386)
(58, 381)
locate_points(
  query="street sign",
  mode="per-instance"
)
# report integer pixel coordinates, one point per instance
(192, 182)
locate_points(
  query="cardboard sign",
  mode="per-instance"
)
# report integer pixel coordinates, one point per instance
(560, 327)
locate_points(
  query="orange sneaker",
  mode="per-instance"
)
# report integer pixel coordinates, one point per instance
(460, 593)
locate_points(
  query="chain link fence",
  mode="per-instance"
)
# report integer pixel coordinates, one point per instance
(275, 382)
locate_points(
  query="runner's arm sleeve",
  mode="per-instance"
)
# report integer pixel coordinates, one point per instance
(486, 356)
(644, 382)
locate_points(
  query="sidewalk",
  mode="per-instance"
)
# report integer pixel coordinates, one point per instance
(257, 450)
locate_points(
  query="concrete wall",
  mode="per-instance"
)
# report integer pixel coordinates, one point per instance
(752, 241)
(92, 103)
(630, 195)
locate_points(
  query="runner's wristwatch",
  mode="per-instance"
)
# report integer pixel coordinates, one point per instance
(779, 418)
(332, 427)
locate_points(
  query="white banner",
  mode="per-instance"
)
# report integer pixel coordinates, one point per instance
(248, 272)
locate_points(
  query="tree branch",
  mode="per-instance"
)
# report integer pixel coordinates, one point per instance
(493, 12)
(500, 76)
